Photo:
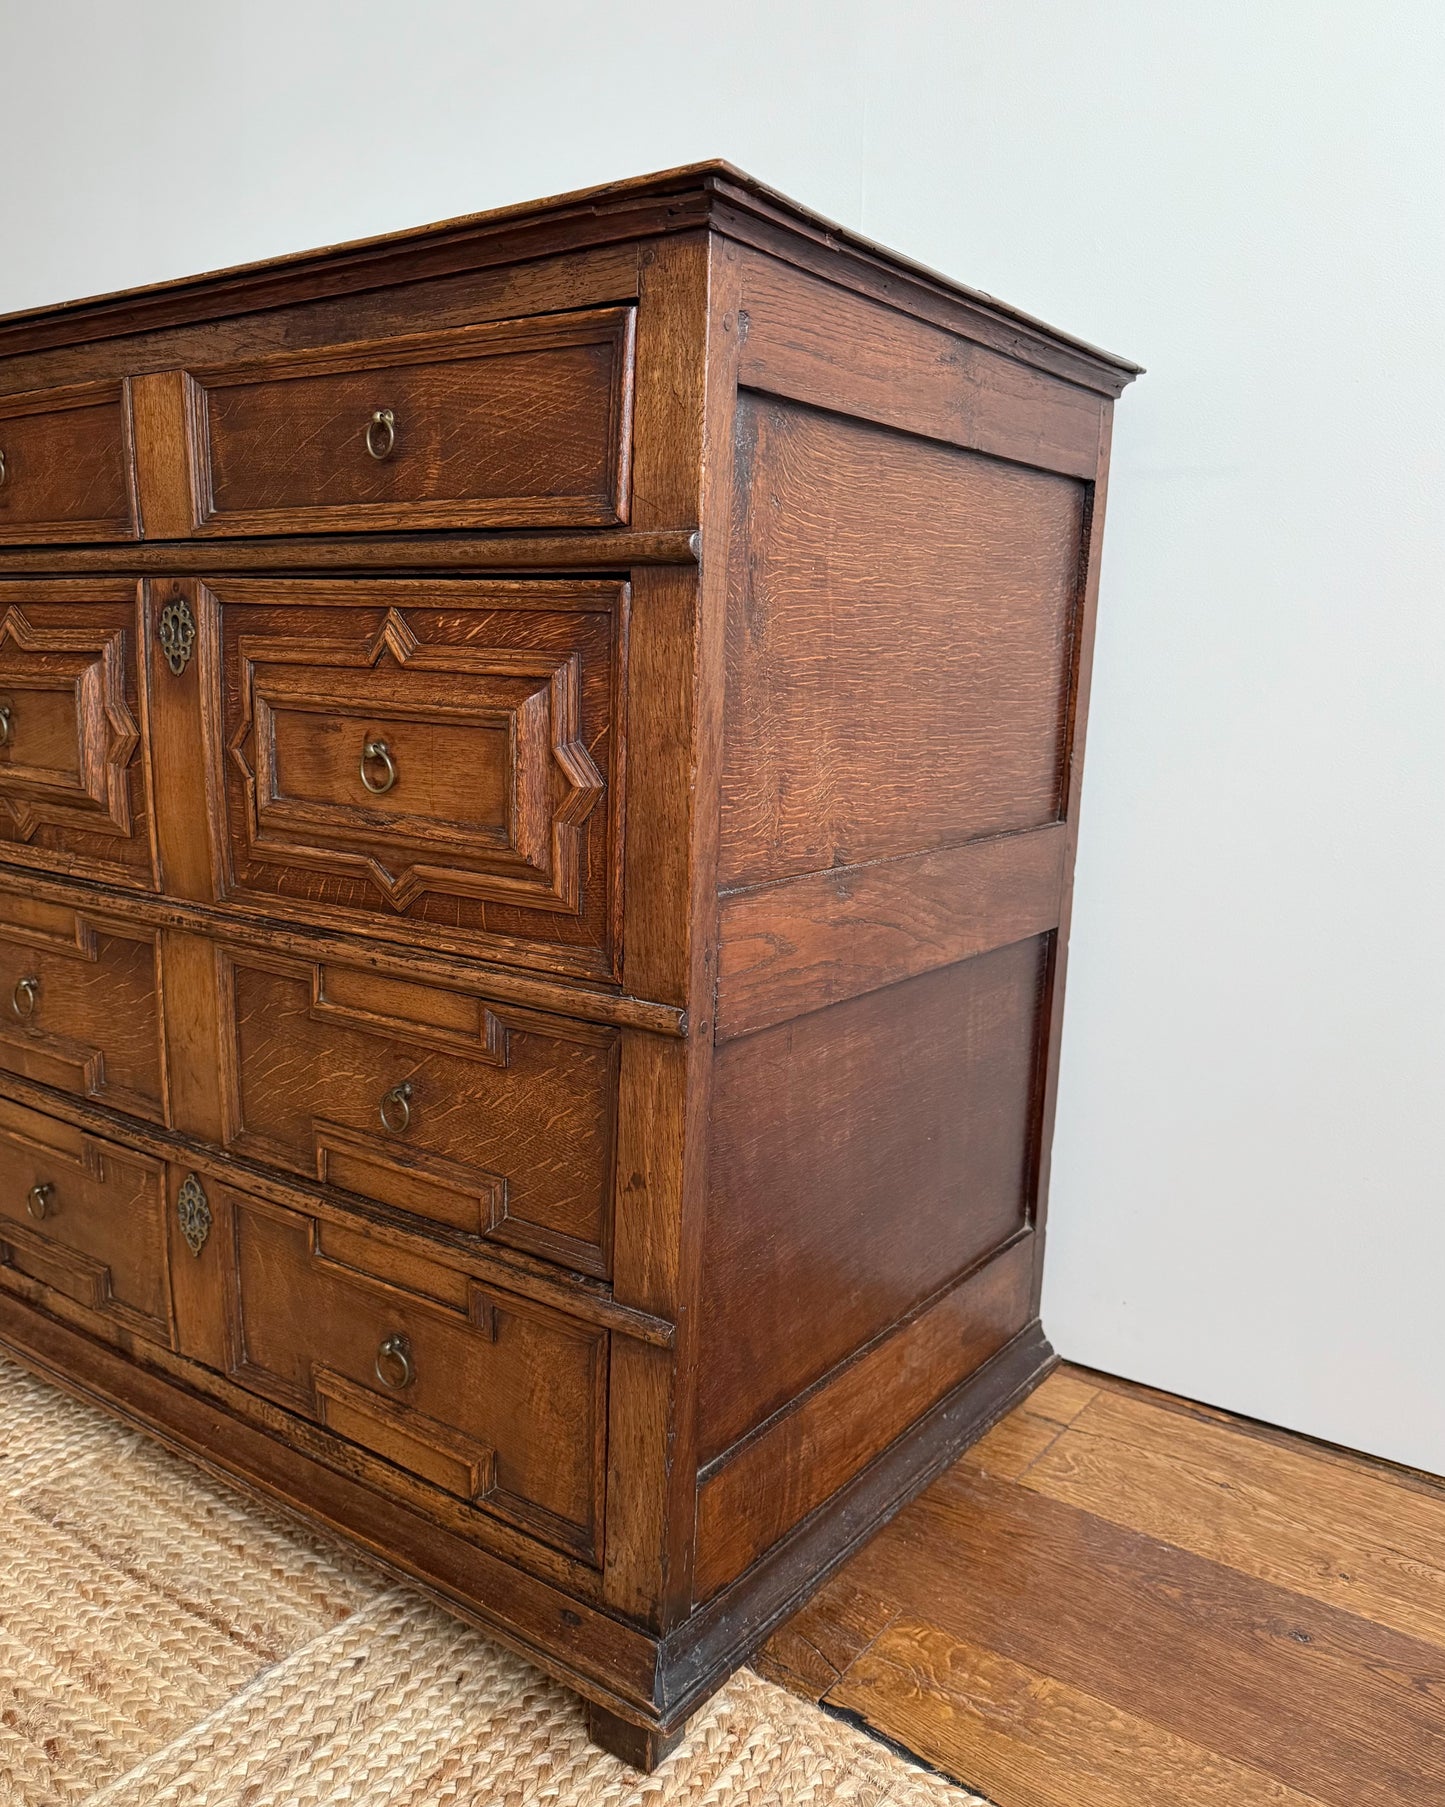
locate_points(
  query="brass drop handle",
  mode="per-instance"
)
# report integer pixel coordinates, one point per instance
(396, 1109)
(4, 472)
(37, 1200)
(25, 997)
(381, 433)
(394, 1366)
(376, 752)
(5, 719)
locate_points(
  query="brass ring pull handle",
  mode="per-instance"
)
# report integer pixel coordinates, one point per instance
(381, 433)
(25, 997)
(377, 752)
(4, 473)
(394, 1367)
(396, 1109)
(5, 720)
(37, 1200)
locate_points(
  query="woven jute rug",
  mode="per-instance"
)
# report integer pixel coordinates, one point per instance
(166, 1643)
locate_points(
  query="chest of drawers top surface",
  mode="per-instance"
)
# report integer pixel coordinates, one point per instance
(539, 764)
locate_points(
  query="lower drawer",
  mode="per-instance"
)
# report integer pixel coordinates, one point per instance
(492, 1121)
(497, 1400)
(79, 1003)
(86, 1218)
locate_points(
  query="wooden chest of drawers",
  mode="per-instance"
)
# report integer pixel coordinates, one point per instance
(538, 771)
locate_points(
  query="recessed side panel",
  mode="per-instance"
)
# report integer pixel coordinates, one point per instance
(900, 644)
(862, 1158)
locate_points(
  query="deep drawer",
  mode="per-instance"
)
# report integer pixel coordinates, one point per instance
(519, 423)
(79, 1003)
(65, 466)
(73, 787)
(437, 756)
(86, 1218)
(496, 1400)
(474, 1117)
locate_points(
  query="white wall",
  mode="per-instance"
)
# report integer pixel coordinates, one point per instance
(1245, 197)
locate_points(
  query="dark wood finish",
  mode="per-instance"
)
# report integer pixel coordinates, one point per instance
(792, 1465)
(899, 645)
(638, 1745)
(74, 782)
(815, 343)
(917, 1100)
(490, 818)
(65, 465)
(84, 1216)
(497, 1400)
(1274, 1611)
(562, 909)
(499, 1123)
(621, 550)
(80, 1003)
(512, 424)
(790, 948)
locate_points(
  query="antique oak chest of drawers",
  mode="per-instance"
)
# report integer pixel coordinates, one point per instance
(538, 773)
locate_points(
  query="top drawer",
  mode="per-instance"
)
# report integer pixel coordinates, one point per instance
(65, 466)
(518, 423)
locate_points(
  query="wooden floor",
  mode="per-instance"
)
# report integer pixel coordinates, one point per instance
(1121, 1599)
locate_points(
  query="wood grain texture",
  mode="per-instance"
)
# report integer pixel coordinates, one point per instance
(502, 695)
(298, 321)
(499, 1402)
(192, 996)
(622, 549)
(79, 1005)
(183, 738)
(900, 640)
(75, 792)
(161, 426)
(598, 1653)
(67, 469)
(509, 424)
(818, 1646)
(818, 344)
(673, 711)
(1048, 1653)
(817, 1445)
(863, 1158)
(394, 1240)
(1082, 662)
(1027, 1740)
(506, 1122)
(712, 195)
(84, 1216)
(1279, 1515)
(504, 984)
(805, 943)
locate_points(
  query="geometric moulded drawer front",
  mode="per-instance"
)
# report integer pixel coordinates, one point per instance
(498, 1401)
(79, 1002)
(73, 790)
(85, 1218)
(476, 1118)
(429, 753)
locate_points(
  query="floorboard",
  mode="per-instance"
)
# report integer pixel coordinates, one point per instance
(1117, 1599)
